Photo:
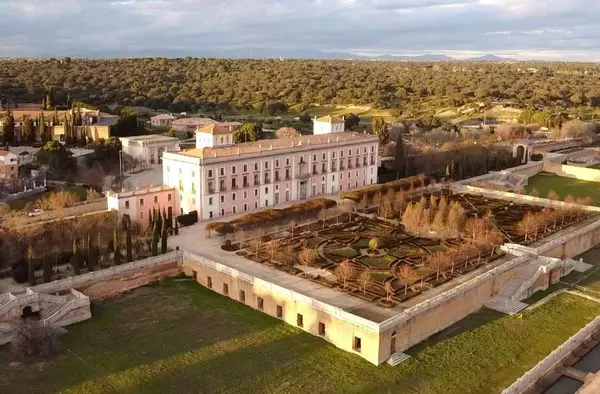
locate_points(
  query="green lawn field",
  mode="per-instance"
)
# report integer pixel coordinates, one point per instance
(544, 182)
(182, 338)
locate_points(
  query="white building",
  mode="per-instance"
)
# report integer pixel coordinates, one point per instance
(219, 178)
(162, 120)
(328, 124)
(149, 148)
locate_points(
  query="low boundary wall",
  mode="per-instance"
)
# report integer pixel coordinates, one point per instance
(100, 275)
(531, 377)
(570, 171)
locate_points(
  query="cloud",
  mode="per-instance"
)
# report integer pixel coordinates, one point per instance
(550, 28)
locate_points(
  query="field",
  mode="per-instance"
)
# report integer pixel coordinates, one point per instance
(184, 338)
(544, 182)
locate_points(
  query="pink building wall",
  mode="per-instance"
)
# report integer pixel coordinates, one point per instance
(138, 203)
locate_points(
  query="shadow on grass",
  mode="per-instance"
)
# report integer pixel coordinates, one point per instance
(473, 321)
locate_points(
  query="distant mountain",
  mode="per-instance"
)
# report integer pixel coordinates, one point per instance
(430, 57)
(490, 58)
(264, 53)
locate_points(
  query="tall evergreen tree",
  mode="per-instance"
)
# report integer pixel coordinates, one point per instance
(27, 133)
(129, 245)
(67, 129)
(400, 159)
(49, 99)
(176, 230)
(73, 129)
(155, 236)
(9, 127)
(42, 128)
(55, 121)
(92, 255)
(76, 258)
(30, 266)
(163, 237)
(44, 105)
(47, 269)
(150, 219)
(117, 249)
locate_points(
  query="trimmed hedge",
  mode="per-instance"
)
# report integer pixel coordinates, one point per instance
(188, 219)
(268, 216)
(397, 185)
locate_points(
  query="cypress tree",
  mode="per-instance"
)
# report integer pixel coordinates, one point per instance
(67, 130)
(76, 258)
(73, 128)
(163, 237)
(43, 135)
(176, 227)
(49, 97)
(91, 254)
(30, 266)
(155, 235)
(170, 219)
(9, 127)
(117, 256)
(150, 221)
(47, 269)
(129, 245)
(44, 106)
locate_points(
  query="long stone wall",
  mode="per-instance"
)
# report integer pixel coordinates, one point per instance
(531, 377)
(112, 281)
(576, 172)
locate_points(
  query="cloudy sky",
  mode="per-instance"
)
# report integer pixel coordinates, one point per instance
(525, 29)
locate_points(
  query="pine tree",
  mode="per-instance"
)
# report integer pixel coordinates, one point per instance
(129, 245)
(117, 255)
(163, 236)
(30, 266)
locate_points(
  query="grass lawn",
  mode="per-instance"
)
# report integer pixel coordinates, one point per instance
(184, 338)
(544, 182)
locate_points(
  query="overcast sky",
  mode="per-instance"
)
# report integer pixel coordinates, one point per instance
(525, 29)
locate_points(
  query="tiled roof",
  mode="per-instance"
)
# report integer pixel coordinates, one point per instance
(163, 116)
(218, 128)
(276, 144)
(330, 119)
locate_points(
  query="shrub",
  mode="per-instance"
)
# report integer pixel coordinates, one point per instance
(31, 338)
(188, 219)
(537, 157)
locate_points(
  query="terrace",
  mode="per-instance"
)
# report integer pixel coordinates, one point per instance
(397, 249)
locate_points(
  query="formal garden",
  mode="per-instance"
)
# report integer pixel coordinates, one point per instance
(395, 245)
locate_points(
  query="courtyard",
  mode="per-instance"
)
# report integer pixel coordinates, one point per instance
(181, 337)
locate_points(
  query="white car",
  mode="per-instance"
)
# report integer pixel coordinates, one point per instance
(35, 212)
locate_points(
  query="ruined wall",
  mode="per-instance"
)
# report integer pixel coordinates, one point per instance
(112, 281)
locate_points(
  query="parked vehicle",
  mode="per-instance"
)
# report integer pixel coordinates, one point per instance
(35, 212)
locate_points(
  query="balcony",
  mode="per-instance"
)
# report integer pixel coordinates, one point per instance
(246, 184)
(222, 189)
(372, 161)
(303, 175)
(277, 178)
(234, 187)
(256, 183)
(342, 168)
(288, 177)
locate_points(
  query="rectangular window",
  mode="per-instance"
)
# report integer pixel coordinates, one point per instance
(209, 282)
(300, 320)
(233, 197)
(322, 329)
(242, 296)
(255, 204)
(324, 155)
(210, 174)
(245, 194)
(279, 311)
(222, 171)
(357, 345)
(225, 289)
(245, 207)
(127, 204)
(222, 212)
(245, 168)
(193, 189)
(222, 199)
(210, 200)
(261, 304)
(181, 185)
(341, 153)
(141, 202)
(287, 162)
(315, 157)
(277, 163)
(169, 197)
(255, 192)
(233, 169)
(255, 166)
(266, 165)
(333, 155)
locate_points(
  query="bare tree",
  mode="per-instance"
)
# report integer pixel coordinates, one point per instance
(407, 276)
(258, 236)
(240, 236)
(345, 270)
(364, 203)
(307, 256)
(31, 338)
(272, 247)
(527, 225)
(552, 195)
(385, 207)
(438, 262)
(292, 224)
(475, 228)
(323, 216)
(389, 291)
(534, 193)
(365, 279)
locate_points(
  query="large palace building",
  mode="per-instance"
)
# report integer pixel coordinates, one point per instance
(220, 177)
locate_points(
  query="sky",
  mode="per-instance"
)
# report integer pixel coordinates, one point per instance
(522, 29)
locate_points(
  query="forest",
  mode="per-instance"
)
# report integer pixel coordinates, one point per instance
(196, 85)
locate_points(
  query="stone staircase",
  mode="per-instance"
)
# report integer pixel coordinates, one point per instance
(505, 306)
(397, 358)
(6, 332)
(508, 298)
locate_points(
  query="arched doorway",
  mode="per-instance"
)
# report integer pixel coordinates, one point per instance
(28, 313)
(393, 343)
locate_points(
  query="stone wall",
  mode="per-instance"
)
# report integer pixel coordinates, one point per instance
(576, 172)
(115, 280)
(341, 328)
